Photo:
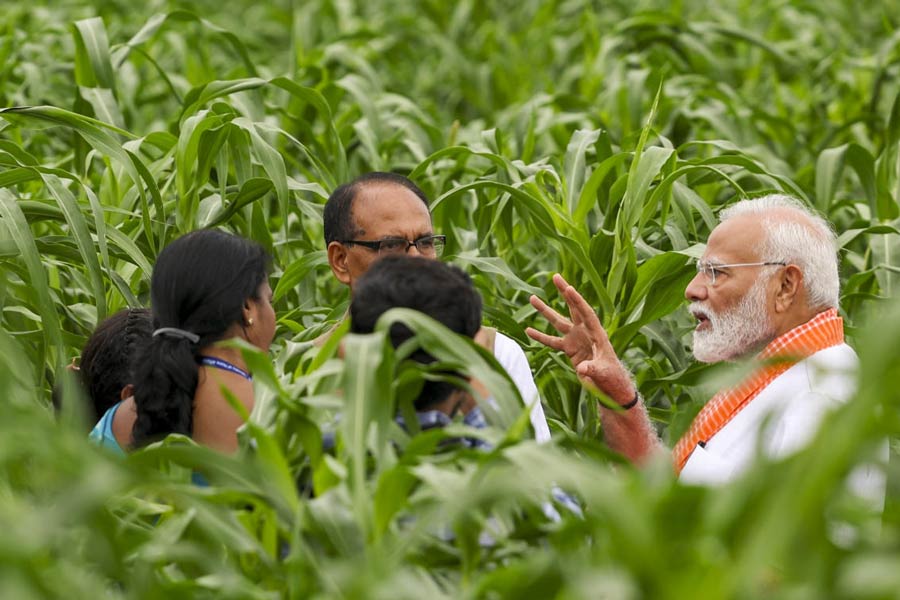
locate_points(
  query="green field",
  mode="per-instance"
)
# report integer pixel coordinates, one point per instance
(597, 140)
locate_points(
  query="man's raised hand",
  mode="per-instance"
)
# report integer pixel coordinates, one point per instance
(585, 342)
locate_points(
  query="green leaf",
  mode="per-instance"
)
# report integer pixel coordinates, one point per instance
(574, 165)
(93, 67)
(830, 166)
(446, 346)
(848, 236)
(298, 270)
(79, 230)
(24, 240)
(251, 190)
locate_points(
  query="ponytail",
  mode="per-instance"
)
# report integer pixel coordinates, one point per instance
(166, 376)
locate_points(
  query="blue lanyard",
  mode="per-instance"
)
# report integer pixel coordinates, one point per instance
(218, 363)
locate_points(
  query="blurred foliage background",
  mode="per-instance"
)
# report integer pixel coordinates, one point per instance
(593, 139)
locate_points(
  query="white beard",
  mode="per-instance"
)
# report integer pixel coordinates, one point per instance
(736, 332)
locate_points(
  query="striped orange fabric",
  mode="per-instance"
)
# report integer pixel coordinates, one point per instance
(824, 330)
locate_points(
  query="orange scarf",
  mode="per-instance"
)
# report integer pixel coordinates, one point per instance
(824, 330)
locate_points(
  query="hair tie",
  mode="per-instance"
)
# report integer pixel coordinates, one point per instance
(174, 332)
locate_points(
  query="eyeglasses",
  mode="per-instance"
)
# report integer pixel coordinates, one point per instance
(428, 245)
(711, 270)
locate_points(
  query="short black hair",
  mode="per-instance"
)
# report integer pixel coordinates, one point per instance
(443, 292)
(338, 218)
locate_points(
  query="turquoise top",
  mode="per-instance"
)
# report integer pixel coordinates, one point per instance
(102, 432)
(102, 435)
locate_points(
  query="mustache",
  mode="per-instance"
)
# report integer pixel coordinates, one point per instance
(699, 309)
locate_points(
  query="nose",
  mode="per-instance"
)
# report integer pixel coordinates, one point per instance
(696, 290)
(413, 250)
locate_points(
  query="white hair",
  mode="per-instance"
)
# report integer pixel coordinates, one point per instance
(807, 241)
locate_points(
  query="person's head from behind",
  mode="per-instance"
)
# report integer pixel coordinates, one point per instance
(376, 215)
(769, 266)
(107, 359)
(206, 286)
(443, 292)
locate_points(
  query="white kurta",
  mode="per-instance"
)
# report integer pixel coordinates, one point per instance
(782, 419)
(512, 358)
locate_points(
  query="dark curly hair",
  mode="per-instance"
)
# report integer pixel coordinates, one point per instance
(106, 364)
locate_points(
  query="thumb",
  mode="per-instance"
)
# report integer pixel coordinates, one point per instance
(585, 369)
(587, 372)
(614, 382)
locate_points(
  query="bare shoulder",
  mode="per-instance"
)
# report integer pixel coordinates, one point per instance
(215, 421)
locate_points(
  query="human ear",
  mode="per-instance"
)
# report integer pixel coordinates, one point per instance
(337, 260)
(247, 312)
(127, 392)
(790, 283)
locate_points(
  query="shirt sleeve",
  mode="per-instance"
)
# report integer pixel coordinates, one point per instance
(512, 358)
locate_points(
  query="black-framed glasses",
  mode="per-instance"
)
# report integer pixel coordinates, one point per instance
(710, 270)
(427, 245)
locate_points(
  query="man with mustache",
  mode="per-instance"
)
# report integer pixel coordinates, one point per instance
(766, 290)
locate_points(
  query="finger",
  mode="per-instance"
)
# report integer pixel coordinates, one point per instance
(588, 377)
(560, 283)
(551, 341)
(585, 370)
(558, 321)
(574, 312)
(575, 302)
(617, 386)
(564, 286)
(581, 311)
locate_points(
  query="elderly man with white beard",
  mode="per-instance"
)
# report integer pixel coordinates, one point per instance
(766, 292)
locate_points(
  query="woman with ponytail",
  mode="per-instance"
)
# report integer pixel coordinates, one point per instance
(207, 286)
